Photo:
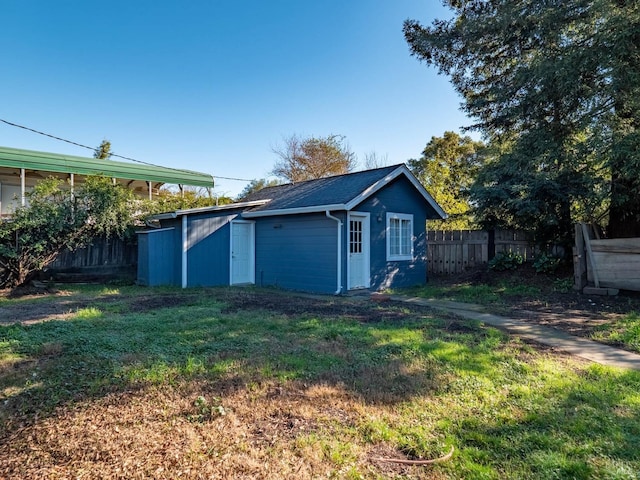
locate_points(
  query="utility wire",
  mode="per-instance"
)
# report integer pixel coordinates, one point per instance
(112, 154)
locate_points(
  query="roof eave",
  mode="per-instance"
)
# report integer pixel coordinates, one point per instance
(213, 208)
(294, 211)
(353, 203)
(57, 163)
(163, 216)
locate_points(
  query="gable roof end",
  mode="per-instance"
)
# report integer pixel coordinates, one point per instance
(401, 170)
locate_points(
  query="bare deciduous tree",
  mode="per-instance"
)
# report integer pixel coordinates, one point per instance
(374, 160)
(314, 157)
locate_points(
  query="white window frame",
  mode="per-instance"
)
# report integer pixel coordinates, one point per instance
(402, 256)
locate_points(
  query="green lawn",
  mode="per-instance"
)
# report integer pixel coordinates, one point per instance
(625, 332)
(163, 383)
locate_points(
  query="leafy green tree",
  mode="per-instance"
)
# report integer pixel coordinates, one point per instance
(56, 220)
(447, 168)
(169, 201)
(553, 87)
(222, 199)
(542, 200)
(303, 159)
(256, 185)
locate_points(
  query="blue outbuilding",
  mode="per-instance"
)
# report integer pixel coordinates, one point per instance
(363, 230)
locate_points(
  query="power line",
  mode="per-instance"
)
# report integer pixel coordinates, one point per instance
(236, 179)
(45, 134)
(112, 154)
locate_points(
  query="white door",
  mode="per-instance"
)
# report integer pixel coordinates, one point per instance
(358, 267)
(242, 253)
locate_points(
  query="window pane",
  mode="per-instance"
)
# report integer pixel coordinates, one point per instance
(406, 237)
(394, 236)
(355, 236)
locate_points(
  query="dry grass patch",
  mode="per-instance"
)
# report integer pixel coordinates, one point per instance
(270, 430)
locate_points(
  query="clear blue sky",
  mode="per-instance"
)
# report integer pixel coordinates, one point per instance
(214, 85)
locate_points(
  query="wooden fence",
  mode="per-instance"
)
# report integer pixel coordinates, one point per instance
(454, 251)
(104, 258)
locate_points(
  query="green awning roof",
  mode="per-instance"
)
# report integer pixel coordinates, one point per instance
(53, 162)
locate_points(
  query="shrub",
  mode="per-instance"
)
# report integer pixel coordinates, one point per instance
(56, 219)
(546, 263)
(506, 261)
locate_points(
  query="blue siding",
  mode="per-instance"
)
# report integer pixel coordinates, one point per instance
(143, 259)
(176, 224)
(208, 242)
(156, 262)
(398, 197)
(297, 252)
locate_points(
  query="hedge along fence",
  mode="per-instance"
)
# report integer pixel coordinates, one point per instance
(454, 251)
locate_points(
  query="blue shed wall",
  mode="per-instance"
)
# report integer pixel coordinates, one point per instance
(156, 263)
(143, 260)
(297, 252)
(398, 197)
(176, 257)
(208, 242)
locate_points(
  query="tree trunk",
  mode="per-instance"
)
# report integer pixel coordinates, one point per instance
(624, 214)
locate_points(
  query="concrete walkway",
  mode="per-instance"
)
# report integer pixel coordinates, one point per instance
(580, 347)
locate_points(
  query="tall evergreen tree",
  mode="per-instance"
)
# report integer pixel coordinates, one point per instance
(103, 151)
(620, 37)
(539, 78)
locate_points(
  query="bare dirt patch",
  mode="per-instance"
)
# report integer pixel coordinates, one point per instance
(291, 304)
(61, 305)
(44, 306)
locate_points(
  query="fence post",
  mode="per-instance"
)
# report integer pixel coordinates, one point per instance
(579, 261)
(491, 244)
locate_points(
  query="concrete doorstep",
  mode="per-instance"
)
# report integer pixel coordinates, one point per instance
(580, 347)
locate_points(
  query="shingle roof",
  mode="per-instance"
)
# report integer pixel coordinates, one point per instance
(337, 192)
(338, 189)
